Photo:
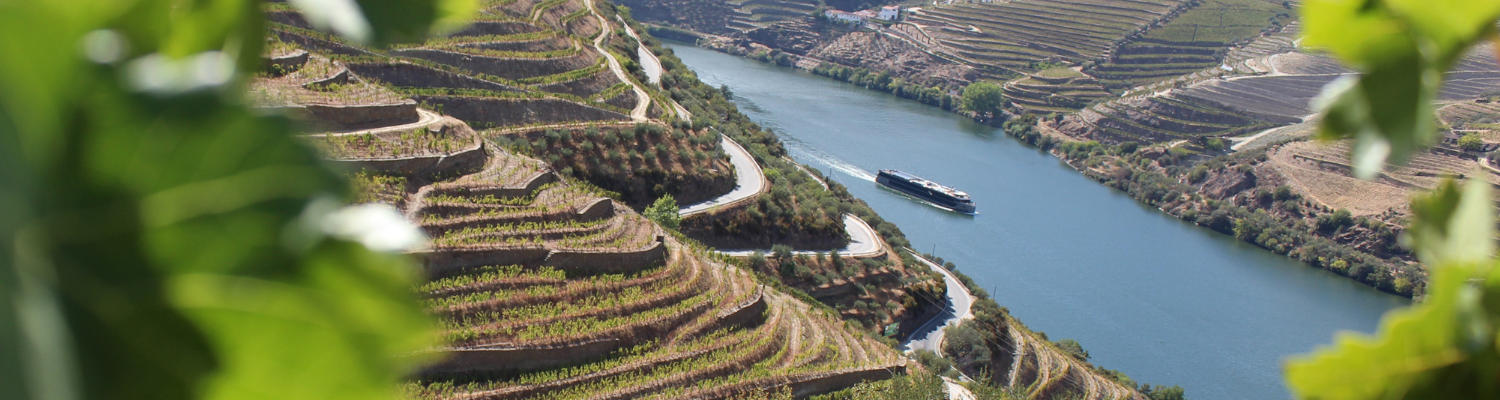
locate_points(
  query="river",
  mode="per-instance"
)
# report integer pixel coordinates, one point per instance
(1162, 300)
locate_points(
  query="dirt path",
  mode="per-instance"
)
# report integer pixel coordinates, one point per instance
(642, 100)
(424, 118)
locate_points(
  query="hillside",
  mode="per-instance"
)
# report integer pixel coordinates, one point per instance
(519, 145)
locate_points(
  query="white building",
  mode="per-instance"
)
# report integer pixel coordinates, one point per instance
(845, 16)
(889, 13)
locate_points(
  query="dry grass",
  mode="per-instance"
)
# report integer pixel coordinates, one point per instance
(1320, 171)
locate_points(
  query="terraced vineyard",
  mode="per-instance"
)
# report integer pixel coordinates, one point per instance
(1046, 372)
(750, 14)
(1322, 172)
(522, 63)
(1059, 89)
(1472, 116)
(1264, 92)
(1194, 40)
(721, 17)
(547, 288)
(1014, 35)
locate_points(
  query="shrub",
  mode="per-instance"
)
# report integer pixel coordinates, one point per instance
(1074, 349)
(1338, 219)
(664, 212)
(1197, 174)
(1471, 142)
(932, 361)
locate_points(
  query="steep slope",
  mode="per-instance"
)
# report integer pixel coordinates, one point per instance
(547, 288)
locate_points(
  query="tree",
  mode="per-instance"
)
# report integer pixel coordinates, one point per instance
(983, 97)
(1338, 219)
(664, 212)
(1074, 349)
(933, 362)
(782, 252)
(1163, 393)
(1471, 142)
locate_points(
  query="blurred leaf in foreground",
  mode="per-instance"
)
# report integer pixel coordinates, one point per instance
(160, 240)
(1401, 48)
(1442, 348)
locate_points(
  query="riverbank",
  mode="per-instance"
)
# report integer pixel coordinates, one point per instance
(1391, 270)
(1144, 292)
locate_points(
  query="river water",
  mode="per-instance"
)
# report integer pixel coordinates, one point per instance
(1159, 299)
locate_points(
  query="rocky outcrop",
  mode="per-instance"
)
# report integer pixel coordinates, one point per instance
(1227, 185)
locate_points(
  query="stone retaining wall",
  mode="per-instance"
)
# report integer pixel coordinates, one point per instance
(412, 75)
(526, 189)
(461, 361)
(600, 208)
(463, 162)
(445, 262)
(516, 112)
(341, 78)
(508, 68)
(746, 315)
(376, 115)
(286, 64)
(842, 380)
(608, 261)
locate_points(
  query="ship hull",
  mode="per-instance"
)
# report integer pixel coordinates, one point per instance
(924, 193)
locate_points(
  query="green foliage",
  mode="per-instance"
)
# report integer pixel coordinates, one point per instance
(162, 241)
(915, 386)
(1471, 142)
(1444, 347)
(966, 344)
(932, 361)
(383, 22)
(1163, 392)
(664, 212)
(1072, 348)
(1214, 144)
(933, 96)
(983, 97)
(1338, 219)
(1402, 48)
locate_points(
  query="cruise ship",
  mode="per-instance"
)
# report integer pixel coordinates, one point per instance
(943, 196)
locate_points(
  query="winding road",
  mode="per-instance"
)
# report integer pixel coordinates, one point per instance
(929, 336)
(642, 100)
(649, 62)
(749, 180)
(863, 242)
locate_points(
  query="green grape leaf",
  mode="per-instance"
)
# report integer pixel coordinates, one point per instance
(1412, 347)
(1453, 224)
(1401, 48)
(151, 237)
(349, 327)
(387, 21)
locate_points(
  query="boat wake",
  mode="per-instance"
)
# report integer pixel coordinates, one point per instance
(805, 152)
